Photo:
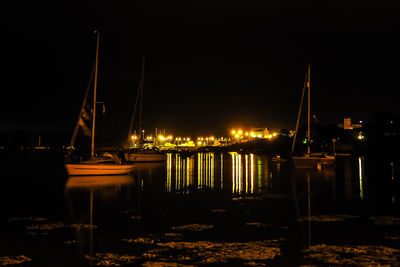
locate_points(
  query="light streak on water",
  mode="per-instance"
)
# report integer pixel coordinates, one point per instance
(252, 173)
(169, 172)
(247, 172)
(222, 171)
(361, 176)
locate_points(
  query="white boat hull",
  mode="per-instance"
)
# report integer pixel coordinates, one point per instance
(310, 162)
(98, 169)
(145, 157)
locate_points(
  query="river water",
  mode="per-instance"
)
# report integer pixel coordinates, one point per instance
(211, 208)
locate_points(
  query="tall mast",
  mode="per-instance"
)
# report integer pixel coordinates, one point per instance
(139, 97)
(95, 92)
(141, 103)
(299, 113)
(309, 112)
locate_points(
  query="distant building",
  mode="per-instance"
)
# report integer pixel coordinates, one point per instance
(260, 132)
(347, 125)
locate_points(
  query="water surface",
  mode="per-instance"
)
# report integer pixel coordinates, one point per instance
(209, 208)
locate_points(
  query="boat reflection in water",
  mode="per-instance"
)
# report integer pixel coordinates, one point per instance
(92, 201)
(93, 183)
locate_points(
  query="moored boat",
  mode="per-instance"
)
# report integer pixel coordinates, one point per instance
(145, 155)
(313, 160)
(95, 166)
(142, 151)
(105, 168)
(309, 160)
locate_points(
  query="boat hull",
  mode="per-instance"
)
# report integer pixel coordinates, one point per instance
(311, 162)
(145, 157)
(98, 169)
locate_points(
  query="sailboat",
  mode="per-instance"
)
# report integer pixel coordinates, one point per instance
(141, 153)
(108, 164)
(309, 160)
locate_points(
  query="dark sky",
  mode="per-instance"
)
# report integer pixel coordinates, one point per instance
(210, 65)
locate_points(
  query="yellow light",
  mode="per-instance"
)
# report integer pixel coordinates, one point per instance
(274, 134)
(237, 136)
(259, 136)
(240, 132)
(246, 134)
(253, 134)
(212, 137)
(188, 138)
(199, 143)
(233, 132)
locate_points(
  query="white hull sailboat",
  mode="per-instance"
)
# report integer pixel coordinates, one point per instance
(98, 169)
(309, 160)
(95, 166)
(313, 160)
(140, 153)
(145, 156)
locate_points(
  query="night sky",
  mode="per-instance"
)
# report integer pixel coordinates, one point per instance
(210, 65)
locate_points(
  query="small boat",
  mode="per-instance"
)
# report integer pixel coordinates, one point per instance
(309, 160)
(313, 160)
(143, 152)
(145, 155)
(278, 159)
(95, 166)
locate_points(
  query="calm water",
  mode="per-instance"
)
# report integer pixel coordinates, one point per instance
(210, 208)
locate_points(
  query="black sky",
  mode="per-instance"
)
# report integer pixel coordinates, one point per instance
(210, 65)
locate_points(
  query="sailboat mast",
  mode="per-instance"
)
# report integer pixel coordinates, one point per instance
(95, 93)
(141, 104)
(309, 112)
(299, 113)
(139, 97)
